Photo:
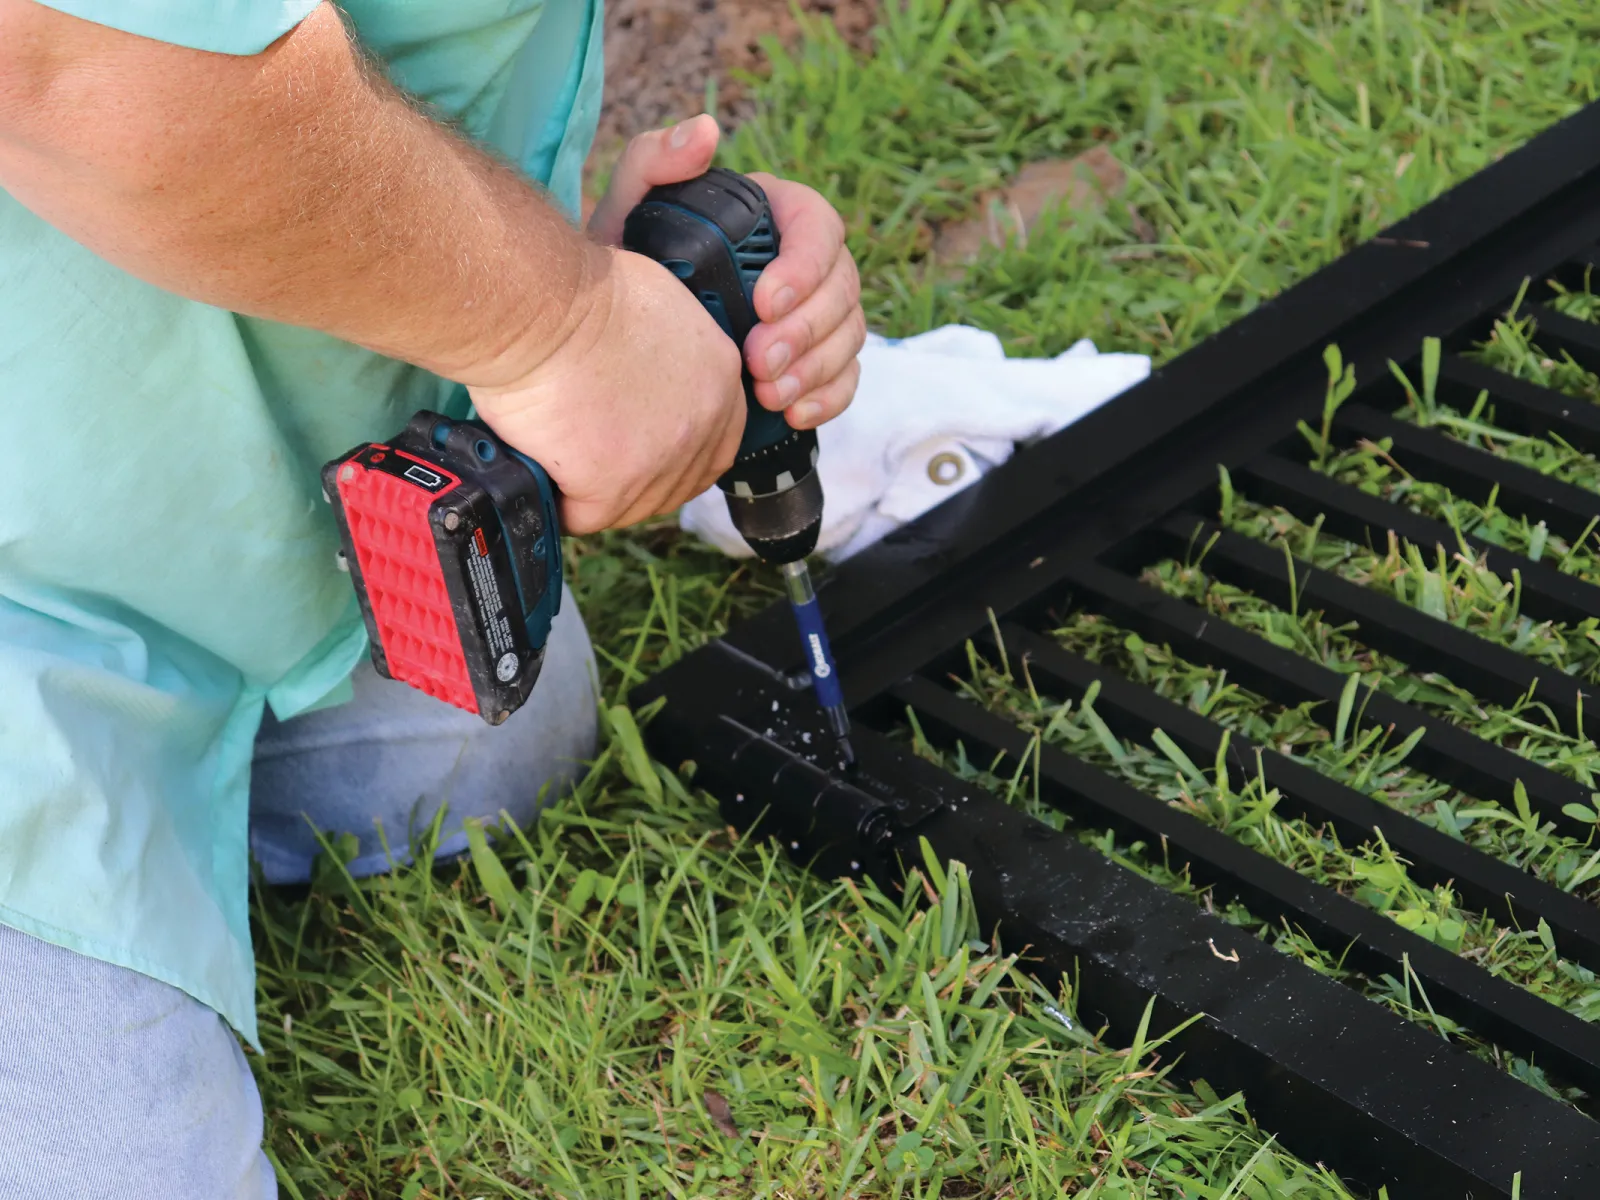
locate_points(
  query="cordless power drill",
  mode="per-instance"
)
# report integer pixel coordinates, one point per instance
(451, 537)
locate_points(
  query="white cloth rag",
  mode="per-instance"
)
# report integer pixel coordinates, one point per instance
(933, 414)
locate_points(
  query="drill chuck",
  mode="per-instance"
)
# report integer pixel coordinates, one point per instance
(781, 524)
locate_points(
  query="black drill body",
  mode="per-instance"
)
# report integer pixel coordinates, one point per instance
(717, 234)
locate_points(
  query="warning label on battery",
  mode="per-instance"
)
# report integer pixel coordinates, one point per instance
(492, 616)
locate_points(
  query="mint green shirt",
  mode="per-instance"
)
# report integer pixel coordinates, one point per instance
(166, 560)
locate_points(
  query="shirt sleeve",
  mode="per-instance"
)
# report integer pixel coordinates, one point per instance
(221, 26)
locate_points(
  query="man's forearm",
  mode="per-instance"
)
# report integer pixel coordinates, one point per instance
(293, 185)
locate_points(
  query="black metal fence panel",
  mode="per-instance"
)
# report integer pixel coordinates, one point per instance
(1071, 522)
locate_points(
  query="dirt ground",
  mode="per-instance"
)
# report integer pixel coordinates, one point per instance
(659, 54)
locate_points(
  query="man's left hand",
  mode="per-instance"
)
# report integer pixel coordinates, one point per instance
(803, 355)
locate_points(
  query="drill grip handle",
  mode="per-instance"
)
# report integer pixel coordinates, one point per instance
(717, 234)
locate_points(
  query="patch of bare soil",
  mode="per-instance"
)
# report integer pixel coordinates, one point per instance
(660, 53)
(1069, 187)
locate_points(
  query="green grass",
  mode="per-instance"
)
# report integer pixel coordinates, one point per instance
(1512, 348)
(575, 1036)
(629, 1001)
(1371, 873)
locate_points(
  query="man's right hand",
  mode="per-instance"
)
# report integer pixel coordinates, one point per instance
(638, 410)
(642, 408)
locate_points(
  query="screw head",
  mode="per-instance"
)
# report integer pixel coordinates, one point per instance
(452, 521)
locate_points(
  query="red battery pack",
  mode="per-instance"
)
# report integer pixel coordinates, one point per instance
(387, 514)
(451, 540)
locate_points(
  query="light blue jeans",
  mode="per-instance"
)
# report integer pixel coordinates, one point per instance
(116, 1087)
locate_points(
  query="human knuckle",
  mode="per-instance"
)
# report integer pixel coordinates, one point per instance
(834, 221)
(849, 381)
(822, 262)
(801, 267)
(676, 441)
(806, 332)
(852, 282)
(693, 434)
(812, 372)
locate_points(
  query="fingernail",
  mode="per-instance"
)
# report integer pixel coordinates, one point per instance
(788, 389)
(783, 302)
(805, 414)
(778, 357)
(680, 135)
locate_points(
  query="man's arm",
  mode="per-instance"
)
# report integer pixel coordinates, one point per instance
(295, 185)
(298, 186)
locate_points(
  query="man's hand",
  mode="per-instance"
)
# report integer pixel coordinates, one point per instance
(642, 408)
(803, 355)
